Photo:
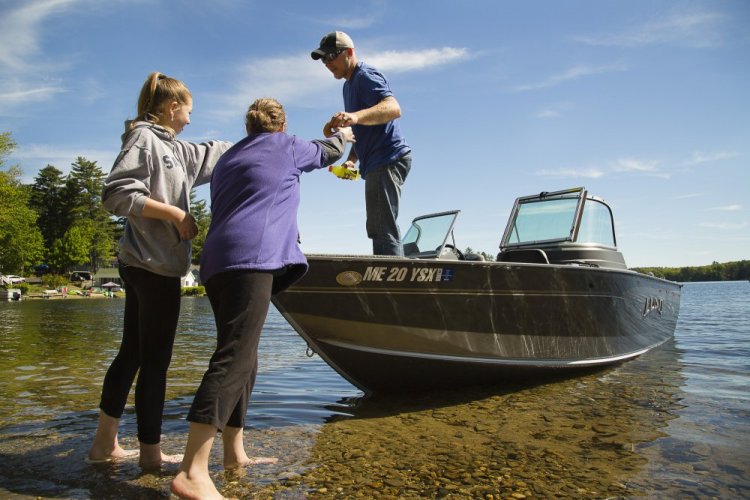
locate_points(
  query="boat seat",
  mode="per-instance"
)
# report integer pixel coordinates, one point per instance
(527, 255)
(410, 249)
(474, 257)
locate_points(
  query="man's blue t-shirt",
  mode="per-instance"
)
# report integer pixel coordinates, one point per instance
(376, 145)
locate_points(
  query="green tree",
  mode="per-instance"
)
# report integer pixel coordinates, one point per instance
(7, 145)
(728, 271)
(202, 216)
(54, 281)
(73, 248)
(21, 244)
(83, 190)
(101, 243)
(47, 201)
(83, 209)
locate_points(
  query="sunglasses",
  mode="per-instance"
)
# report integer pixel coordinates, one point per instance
(331, 56)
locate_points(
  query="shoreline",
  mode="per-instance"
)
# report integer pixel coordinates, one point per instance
(37, 296)
(65, 296)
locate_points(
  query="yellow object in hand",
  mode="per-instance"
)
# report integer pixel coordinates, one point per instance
(340, 171)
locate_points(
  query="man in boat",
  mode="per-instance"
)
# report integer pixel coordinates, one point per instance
(372, 111)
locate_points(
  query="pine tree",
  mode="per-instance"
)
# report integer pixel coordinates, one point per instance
(46, 200)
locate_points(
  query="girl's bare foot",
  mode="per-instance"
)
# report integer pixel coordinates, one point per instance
(194, 487)
(153, 458)
(151, 464)
(98, 455)
(105, 447)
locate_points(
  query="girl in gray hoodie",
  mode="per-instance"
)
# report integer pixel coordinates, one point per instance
(150, 184)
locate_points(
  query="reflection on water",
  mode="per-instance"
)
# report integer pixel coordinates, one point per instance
(579, 438)
(672, 423)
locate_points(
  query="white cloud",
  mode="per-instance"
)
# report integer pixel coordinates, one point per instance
(20, 35)
(556, 110)
(687, 196)
(10, 97)
(571, 74)
(549, 113)
(20, 31)
(273, 77)
(633, 165)
(728, 208)
(724, 225)
(402, 61)
(622, 165)
(699, 30)
(700, 157)
(589, 173)
(353, 23)
(636, 166)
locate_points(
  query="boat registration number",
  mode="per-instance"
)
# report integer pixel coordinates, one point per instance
(418, 274)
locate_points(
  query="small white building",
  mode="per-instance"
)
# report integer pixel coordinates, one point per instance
(189, 280)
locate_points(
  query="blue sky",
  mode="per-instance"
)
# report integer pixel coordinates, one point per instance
(644, 103)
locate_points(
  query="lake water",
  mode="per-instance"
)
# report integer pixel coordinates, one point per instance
(674, 423)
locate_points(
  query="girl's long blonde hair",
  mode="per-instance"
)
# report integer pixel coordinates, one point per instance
(157, 91)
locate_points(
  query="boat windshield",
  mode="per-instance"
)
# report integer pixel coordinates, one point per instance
(596, 224)
(543, 220)
(428, 234)
(554, 217)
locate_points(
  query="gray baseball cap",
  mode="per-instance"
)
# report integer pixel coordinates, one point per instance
(332, 42)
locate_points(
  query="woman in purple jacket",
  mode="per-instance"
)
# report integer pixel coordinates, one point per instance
(250, 253)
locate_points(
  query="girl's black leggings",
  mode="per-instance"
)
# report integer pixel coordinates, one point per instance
(152, 308)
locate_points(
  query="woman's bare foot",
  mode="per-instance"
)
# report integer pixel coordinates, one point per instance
(234, 450)
(250, 461)
(198, 487)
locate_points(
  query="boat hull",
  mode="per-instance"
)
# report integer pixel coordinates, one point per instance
(390, 324)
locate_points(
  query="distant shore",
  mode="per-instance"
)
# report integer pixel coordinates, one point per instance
(60, 296)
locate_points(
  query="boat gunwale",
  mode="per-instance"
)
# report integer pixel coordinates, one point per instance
(488, 263)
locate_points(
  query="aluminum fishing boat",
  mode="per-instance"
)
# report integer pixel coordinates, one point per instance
(557, 298)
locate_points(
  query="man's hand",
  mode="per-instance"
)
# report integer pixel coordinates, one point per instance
(344, 119)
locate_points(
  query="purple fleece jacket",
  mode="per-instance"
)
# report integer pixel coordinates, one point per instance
(255, 195)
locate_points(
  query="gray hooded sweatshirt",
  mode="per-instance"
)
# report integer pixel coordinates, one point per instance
(153, 164)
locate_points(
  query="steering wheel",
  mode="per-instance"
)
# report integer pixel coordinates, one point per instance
(453, 249)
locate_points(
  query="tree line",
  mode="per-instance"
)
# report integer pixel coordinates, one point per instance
(59, 223)
(728, 271)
